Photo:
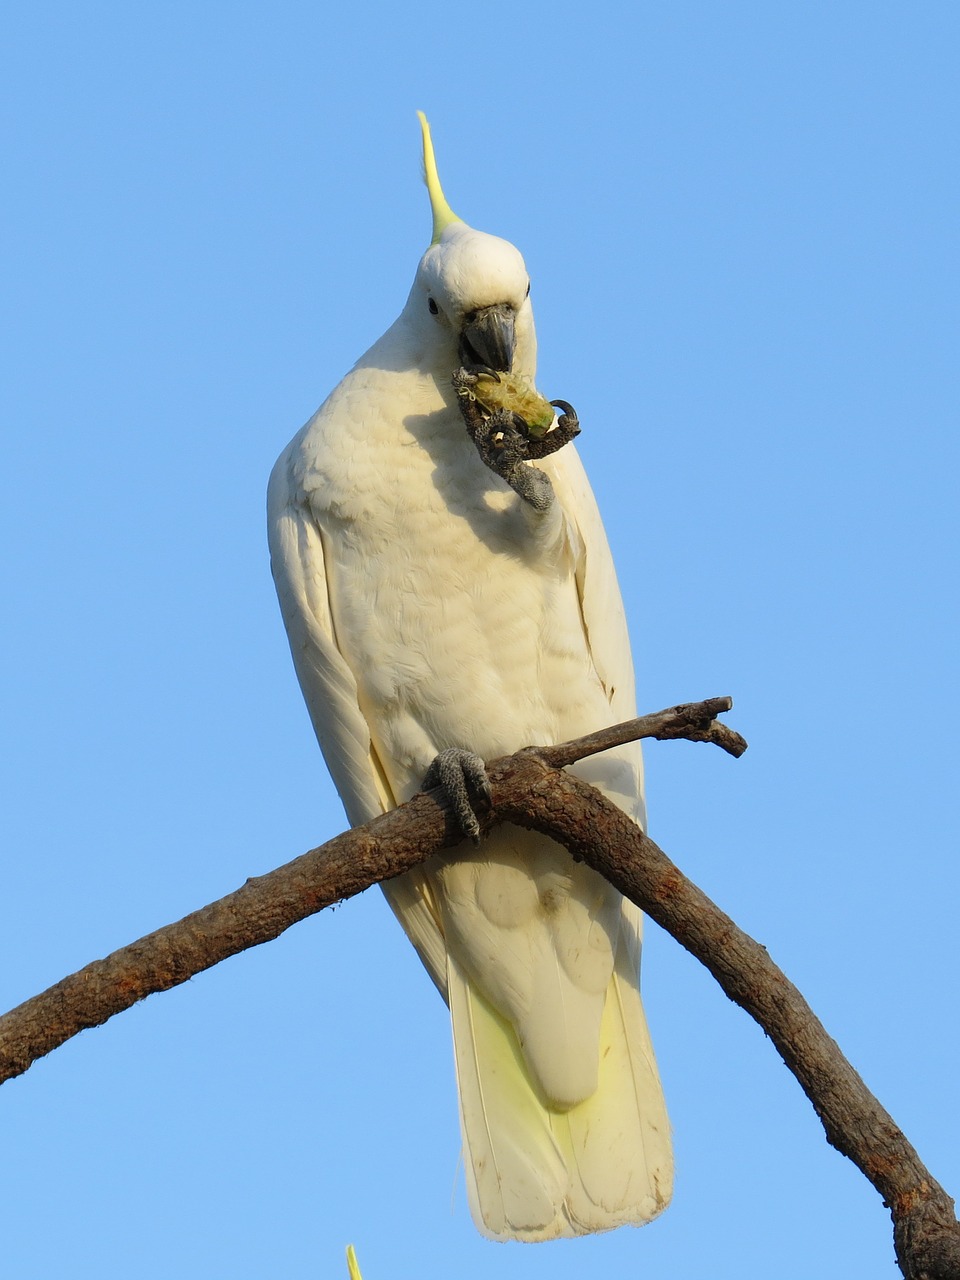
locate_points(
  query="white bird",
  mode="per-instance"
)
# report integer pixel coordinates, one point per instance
(437, 599)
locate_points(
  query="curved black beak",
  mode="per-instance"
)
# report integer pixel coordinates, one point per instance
(487, 338)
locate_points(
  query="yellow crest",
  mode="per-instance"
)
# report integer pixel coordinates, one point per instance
(443, 215)
(352, 1266)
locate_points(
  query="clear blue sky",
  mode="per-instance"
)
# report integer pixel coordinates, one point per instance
(741, 224)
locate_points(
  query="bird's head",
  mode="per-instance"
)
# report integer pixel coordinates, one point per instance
(472, 290)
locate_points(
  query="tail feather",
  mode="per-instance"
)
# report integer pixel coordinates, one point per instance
(535, 1172)
(620, 1137)
(516, 1172)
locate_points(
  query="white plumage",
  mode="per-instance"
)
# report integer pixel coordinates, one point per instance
(428, 606)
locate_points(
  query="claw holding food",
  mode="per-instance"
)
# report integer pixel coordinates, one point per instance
(517, 395)
(511, 425)
(566, 428)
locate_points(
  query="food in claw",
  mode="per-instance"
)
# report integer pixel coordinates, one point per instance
(517, 394)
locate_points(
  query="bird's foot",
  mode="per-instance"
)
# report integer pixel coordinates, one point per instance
(505, 447)
(503, 442)
(566, 428)
(457, 772)
(464, 380)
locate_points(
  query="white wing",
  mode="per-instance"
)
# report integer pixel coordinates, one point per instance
(330, 692)
(601, 608)
(329, 688)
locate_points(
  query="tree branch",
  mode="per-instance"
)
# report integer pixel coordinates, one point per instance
(926, 1232)
(529, 789)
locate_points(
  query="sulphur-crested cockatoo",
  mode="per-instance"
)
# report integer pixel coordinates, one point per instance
(445, 596)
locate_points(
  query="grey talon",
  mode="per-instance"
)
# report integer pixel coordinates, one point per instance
(568, 423)
(456, 772)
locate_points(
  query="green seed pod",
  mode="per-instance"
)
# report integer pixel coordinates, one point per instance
(518, 395)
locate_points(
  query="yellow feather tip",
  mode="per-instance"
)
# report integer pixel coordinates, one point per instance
(352, 1266)
(443, 215)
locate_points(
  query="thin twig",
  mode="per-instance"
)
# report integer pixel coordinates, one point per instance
(691, 720)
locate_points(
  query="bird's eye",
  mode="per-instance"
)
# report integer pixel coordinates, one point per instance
(528, 290)
(434, 309)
